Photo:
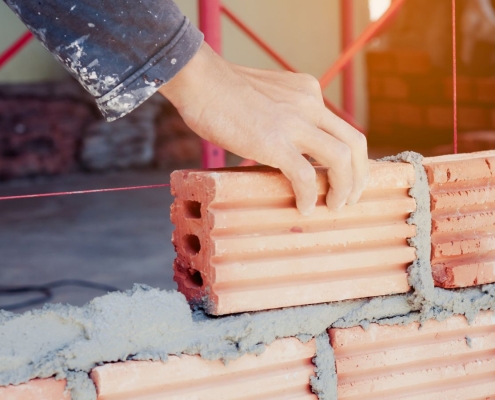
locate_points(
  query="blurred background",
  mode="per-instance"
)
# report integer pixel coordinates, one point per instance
(53, 139)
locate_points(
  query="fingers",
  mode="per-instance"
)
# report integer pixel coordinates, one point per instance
(357, 146)
(301, 174)
(337, 157)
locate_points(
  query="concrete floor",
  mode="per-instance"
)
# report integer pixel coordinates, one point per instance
(114, 238)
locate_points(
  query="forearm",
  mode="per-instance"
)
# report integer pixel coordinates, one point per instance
(121, 51)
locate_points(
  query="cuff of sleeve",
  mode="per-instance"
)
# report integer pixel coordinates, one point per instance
(157, 71)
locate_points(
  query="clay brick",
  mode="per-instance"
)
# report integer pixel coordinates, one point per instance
(412, 62)
(394, 87)
(283, 371)
(383, 112)
(465, 89)
(439, 360)
(485, 90)
(242, 245)
(462, 189)
(473, 118)
(380, 61)
(440, 117)
(37, 389)
(410, 115)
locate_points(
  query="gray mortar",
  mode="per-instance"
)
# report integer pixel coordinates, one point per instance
(324, 384)
(149, 324)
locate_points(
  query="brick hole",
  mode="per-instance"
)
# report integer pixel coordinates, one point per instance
(191, 244)
(192, 209)
(195, 277)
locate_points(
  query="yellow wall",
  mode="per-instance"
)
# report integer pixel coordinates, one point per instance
(33, 63)
(306, 32)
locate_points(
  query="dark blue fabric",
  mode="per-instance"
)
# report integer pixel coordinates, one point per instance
(121, 51)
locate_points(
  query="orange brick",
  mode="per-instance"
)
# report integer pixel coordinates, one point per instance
(374, 86)
(380, 61)
(485, 90)
(242, 245)
(473, 118)
(383, 112)
(410, 115)
(412, 62)
(462, 191)
(439, 360)
(37, 389)
(283, 371)
(465, 89)
(440, 117)
(394, 87)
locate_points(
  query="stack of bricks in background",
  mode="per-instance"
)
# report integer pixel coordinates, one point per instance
(411, 102)
(53, 128)
(40, 128)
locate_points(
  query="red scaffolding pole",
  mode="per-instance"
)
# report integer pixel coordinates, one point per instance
(210, 24)
(15, 48)
(347, 37)
(359, 43)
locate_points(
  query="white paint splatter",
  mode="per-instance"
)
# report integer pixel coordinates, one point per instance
(91, 25)
(173, 61)
(72, 8)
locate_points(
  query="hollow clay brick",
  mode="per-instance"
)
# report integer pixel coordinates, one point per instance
(462, 190)
(242, 245)
(439, 360)
(37, 389)
(283, 371)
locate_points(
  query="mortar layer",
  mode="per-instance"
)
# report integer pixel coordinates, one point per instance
(149, 324)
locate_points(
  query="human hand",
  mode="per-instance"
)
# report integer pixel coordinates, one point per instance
(273, 118)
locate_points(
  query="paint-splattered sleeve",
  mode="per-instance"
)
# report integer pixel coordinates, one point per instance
(121, 51)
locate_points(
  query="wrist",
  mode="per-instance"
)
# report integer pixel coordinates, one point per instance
(196, 79)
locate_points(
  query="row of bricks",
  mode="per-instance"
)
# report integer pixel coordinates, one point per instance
(437, 361)
(469, 118)
(401, 62)
(432, 89)
(242, 246)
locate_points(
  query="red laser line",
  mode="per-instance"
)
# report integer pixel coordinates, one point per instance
(454, 72)
(33, 196)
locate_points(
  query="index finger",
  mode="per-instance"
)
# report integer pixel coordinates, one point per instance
(357, 143)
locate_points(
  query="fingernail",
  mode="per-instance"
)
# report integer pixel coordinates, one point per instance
(307, 211)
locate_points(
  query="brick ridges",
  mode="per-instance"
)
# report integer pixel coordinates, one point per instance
(283, 371)
(257, 252)
(441, 360)
(463, 218)
(37, 389)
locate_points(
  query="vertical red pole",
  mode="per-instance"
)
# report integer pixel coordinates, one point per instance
(347, 38)
(210, 24)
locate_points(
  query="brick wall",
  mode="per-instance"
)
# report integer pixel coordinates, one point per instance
(410, 101)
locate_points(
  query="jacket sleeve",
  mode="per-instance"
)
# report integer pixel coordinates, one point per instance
(121, 51)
